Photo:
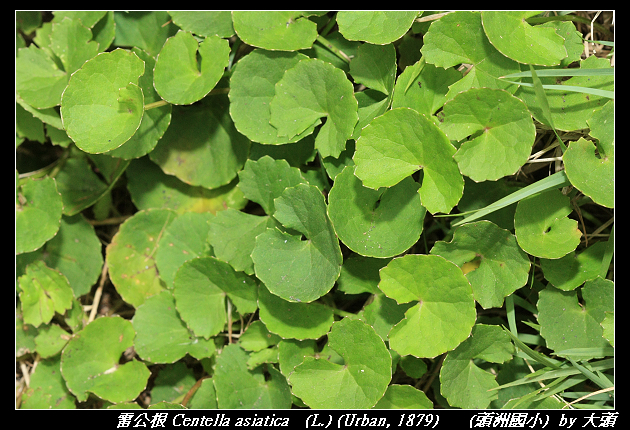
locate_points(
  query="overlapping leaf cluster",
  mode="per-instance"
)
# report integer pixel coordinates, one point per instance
(284, 163)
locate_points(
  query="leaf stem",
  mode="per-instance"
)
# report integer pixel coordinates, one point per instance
(338, 52)
(154, 105)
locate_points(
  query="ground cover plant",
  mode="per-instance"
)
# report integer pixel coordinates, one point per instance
(353, 209)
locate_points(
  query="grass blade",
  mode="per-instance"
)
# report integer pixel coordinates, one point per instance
(557, 180)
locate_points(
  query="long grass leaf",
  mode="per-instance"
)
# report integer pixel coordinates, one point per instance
(571, 88)
(557, 180)
(545, 361)
(562, 72)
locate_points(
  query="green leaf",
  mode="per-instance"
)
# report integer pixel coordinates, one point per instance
(292, 268)
(232, 235)
(38, 79)
(463, 383)
(565, 323)
(43, 291)
(90, 362)
(155, 121)
(404, 397)
(591, 168)
(376, 27)
(76, 252)
(310, 90)
(541, 225)
(201, 146)
(444, 313)
(200, 288)
(71, 41)
(359, 274)
(375, 67)
(180, 77)
(459, 37)
(147, 30)
(78, 196)
(252, 87)
(401, 142)
(240, 388)
(358, 383)
(183, 240)
(499, 266)
(375, 223)
(161, 335)
(265, 179)
(102, 106)
(150, 187)
(38, 210)
(204, 22)
(275, 30)
(423, 87)
(572, 270)
(499, 129)
(515, 38)
(131, 255)
(47, 389)
(292, 320)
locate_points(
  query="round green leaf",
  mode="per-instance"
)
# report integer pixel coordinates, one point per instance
(43, 291)
(401, 142)
(359, 274)
(150, 187)
(204, 22)
(180, 77)
(572, 270)
(263, 180)
(592, 170)
(275, 30)
(103, 106)
(77, 253)
(253, 86)
(200, 288)
(376, 27)
(232, 234)
(71, 41)
(183, 240)
(47, 389)
(131, 255)
(457, 38)
(444, 313)
(161, 335)
(500, 131)
(462, 382)
(358, 383)
(90, 362)
(541, 225)
(423, 87)
(565, 323)
(201, 146)
(515, 38)
(375, 67)
(501, 266)
(38, 210)
(310, 90)
(375, 223)
(404, 397)
(294, 269)
(155, 121)
(292, 320)
(237, 387)
(38, 79)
